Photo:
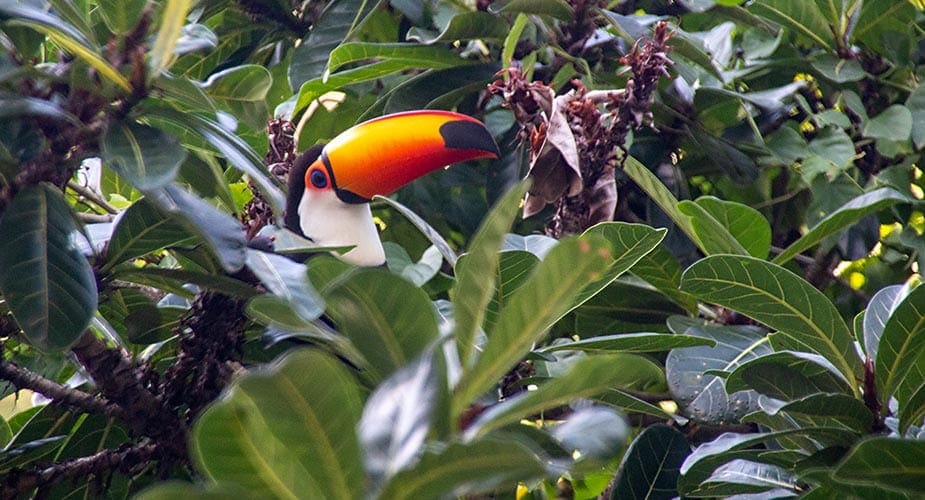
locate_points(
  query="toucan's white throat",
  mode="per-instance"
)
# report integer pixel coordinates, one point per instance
(330, 222)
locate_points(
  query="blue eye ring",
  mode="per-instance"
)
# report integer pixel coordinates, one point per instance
(318, 178)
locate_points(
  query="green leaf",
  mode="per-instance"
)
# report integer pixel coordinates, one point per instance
(780, 299)
(477, 276)
(316, 87)
(837, 69)
(878, 312)
(172, 280)
(248, 82)
(411, 54)
(141, 230)
(596, 432)
(894, 464)
(631, 342)
(337, 22)
(661, 269)
(64, 35)
(916, 105)
(713, 236)
(46, 282)
(426, 229)
(220, 230)
(465, 26)
(558, 9)
(833, 410)
(628, 244)
(788, 376)
(700, 464)
(902, 342)
(743, 477)
(145, 156)
(420, 272)
(388, 319)
(173, 18)
(703, 397)
(623, 307)
(122, 15)
(587, 378)
(283, 434)
(466, 468)
(396, 418)
(547, 294)
(286, 279)
(800, 16)
(894, 123)
(745, 224)
(237, 152)
(847, 214)
(652, 463)
(177, 490)
(656, 190)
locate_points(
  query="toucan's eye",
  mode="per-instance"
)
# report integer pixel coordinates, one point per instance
(318, 179)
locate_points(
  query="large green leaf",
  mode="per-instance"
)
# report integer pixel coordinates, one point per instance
(426, 229)
(847, 214)
(558, 9)
(45, 281)
(878, 312)
(744, 477)
(464, 468)
(397, 418)
(780, 299)
(221, 231)
(701, 396)
(465, 26)
(713, 217)
(700, 464)
(412, 54)
(168, 33)
(477, 279)
(586, 378)
(628, 244)
(661, 269)
(787, 376)
(143, 229)
(651, 466)
(286, 435)
(656, 190)
(237, 152)
(832, 410)
(624, 307)
(338, 20)
(800, 16)
(547, 294)
(631, 342)
(388, 319)
(64, 34)
(902, 342)
(248, 82)
(894, 464)
(316, 87)
(286, 279)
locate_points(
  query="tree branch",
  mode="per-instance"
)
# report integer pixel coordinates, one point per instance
(19, 482)
(61, 394)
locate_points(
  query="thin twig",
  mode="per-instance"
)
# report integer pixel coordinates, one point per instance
(92, 196)
(89, 218)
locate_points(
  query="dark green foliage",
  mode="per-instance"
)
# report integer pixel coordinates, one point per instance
(717, 292)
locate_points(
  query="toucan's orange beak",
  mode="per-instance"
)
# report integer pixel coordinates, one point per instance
(383, 154)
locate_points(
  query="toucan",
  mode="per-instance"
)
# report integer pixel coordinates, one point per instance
(330, 186)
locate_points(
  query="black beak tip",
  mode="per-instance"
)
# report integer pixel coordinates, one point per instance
(464, 134)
